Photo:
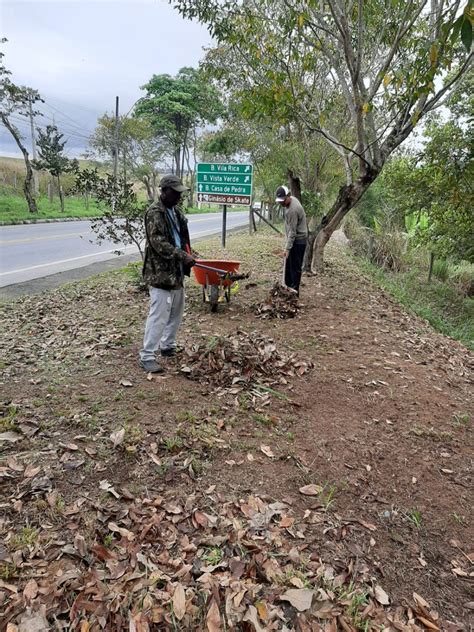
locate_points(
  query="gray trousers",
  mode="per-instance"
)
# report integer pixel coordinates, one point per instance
(164, 319)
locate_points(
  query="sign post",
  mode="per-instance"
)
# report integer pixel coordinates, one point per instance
(226, 184)
(224, 224)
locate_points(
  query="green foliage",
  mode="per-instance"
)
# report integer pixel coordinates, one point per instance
(441, 269)
(221, 144)
(175, 107)
(384, 244)
(462, 277)
(122, 215)
(358, 76)
(139, 149)
(442, 304)
(50, 151)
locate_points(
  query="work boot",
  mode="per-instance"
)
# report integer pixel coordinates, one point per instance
(168, 353)
(151, 366)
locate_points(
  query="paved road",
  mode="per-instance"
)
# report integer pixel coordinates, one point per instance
(38, 250)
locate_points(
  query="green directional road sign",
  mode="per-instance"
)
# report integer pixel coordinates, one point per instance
(224, 183)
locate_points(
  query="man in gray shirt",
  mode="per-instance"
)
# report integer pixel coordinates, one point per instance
(296, 229)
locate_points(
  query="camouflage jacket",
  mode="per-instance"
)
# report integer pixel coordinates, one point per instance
(163, 264)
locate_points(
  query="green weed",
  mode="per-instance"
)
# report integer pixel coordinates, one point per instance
(26, 537)
(461, 420)
(414, 516)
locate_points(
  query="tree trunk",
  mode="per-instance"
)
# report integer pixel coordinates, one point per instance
(149, 189)
(61, 195)
(347, 198)
(50, 192)
(295, 184)
(177, 160)
(28, 186)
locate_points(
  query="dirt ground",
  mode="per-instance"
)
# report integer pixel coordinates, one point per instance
(334, 467)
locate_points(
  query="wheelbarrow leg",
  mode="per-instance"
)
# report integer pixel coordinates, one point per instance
(214, 297)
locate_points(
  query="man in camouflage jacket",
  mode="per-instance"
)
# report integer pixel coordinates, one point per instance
(167, 261)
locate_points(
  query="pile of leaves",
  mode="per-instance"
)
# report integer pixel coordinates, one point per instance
(282, 302)
(241, 359)
(190, 564)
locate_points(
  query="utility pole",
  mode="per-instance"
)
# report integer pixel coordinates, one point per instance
(115, 149)
(33, 145)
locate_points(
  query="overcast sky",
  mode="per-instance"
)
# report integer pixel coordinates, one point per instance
(79, 55)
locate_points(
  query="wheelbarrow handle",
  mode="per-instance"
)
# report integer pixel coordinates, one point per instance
(223, 273)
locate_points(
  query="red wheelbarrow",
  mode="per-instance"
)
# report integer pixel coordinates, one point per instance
(215, 275)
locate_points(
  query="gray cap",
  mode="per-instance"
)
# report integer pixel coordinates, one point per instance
(173, 182)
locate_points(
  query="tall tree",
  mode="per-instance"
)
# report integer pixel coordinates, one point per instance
(52, 158)
(176, 106)
(18, 100)
(388, 60)
(140, 151)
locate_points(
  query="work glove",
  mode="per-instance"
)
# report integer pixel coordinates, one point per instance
(189, 261)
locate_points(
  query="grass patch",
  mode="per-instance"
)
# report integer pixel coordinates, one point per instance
(14, 208)
(437, 302)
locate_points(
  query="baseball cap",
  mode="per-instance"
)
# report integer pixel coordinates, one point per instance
(173, 182)
(281, 194)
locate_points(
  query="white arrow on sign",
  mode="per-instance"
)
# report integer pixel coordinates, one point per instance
(247, 179)
(247, 168)
(200, 187)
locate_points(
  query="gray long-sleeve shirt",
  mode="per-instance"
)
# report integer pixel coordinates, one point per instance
(296, 227)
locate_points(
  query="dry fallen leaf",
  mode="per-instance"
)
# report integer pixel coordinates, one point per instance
(34, 621)
(213, 618)
(381, 596)
(267, 451)
(300, 598)
(311, 490)
(251, 617)
(30, 591)
(117, 437)
(427, 623)
(107, 487)
(126, 383)
(418, 599)
(10, 436)
(179, 602)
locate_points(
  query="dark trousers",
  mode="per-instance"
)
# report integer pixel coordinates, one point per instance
(294, 264)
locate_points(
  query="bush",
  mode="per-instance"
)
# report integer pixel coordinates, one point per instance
(462, 277)
(384, 245)
(441, 269)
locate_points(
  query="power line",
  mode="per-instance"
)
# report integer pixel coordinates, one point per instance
(72, 121)
(72, 134)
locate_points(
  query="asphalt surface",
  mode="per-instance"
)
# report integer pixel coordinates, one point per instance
(59, 252)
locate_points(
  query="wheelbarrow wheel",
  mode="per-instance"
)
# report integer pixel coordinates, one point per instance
(227, 294)
(214, 297)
